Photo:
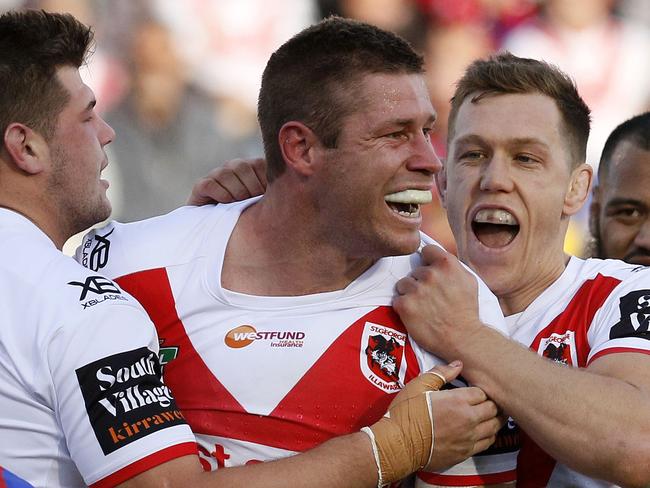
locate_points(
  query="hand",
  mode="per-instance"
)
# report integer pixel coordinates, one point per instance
(465, 422)
(438, 302)
(236, 180)
(430, 429)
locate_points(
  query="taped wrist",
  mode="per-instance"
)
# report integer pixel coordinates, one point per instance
(403, 439)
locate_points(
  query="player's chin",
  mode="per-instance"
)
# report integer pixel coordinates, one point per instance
(103, 209)
(407, 243)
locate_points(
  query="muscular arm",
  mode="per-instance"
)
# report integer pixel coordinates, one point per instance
(465, 423)
(595, 420)
(341, 462)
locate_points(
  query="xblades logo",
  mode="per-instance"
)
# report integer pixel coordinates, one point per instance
(96, 284)
(99, 254)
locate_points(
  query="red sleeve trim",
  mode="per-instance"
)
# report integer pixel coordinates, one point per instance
(146, 463)
(616, 350)
(467, 480)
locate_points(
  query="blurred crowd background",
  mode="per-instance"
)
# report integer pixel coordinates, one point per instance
(178, 79)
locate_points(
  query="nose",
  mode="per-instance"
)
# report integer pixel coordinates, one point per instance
(495, 175)
(424, 158)
(106, 133)
(642, 238)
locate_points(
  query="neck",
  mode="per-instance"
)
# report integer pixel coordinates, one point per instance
(275, 250)
(518, 300)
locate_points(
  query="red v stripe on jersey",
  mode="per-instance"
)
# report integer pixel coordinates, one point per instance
(579, 314)
(187, 375)
(352, 402)
(534, 466)
(332, 398)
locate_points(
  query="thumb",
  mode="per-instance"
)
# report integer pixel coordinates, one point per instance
(448, 371)
(429, 381)
(432, 253)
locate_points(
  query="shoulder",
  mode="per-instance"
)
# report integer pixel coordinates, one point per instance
(619, 274)
(46, 291)
(118, 248)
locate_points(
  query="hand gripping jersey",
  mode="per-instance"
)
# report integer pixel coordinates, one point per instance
(81, 397)
(595, 308)
(260, 378)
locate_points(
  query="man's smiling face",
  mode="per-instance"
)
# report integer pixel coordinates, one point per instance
(505, 186)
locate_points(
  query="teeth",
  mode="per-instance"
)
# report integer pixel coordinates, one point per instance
(495, 216)
(407, 214)
(410, 196)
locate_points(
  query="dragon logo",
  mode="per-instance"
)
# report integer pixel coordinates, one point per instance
(558, 353)
(384, 357)
(559, 347)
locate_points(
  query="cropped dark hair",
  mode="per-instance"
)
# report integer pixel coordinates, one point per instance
(313, 78)
(506, 73)
(33, 45)
(636, 130)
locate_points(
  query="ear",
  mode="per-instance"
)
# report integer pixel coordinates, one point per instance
(298, 144)
(578, 189)
(441, 183)
(27, 148)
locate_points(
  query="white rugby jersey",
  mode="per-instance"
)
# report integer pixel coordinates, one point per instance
(596, 307)
(260, 378)
(81, 396)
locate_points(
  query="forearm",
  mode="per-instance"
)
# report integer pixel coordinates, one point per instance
(596, 424)
(341, 462)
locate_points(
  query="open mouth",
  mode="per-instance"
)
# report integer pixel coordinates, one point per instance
(495, 227)
(407, 202)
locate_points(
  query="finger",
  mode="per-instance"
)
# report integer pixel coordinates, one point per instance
(259, 166)
(420, 273)
(486, 410)
(250, 180)
(432, 254)
(483, 444)
(231, 182)
(488, 428)
(431, 380)
(207, 191)
(406, 285)
(471, 394)
(448, 371)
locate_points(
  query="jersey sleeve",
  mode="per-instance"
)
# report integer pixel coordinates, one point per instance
(622, 323)
(117, 416)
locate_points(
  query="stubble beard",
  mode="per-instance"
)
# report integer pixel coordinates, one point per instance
(77, 208)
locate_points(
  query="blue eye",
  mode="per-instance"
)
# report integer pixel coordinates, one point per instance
(473, 155)
(397, 135)
(526, 159)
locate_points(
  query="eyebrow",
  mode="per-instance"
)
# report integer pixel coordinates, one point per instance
(526, 141)
(518, 141)
(406, 122)
(91, 105)
(625, 201)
